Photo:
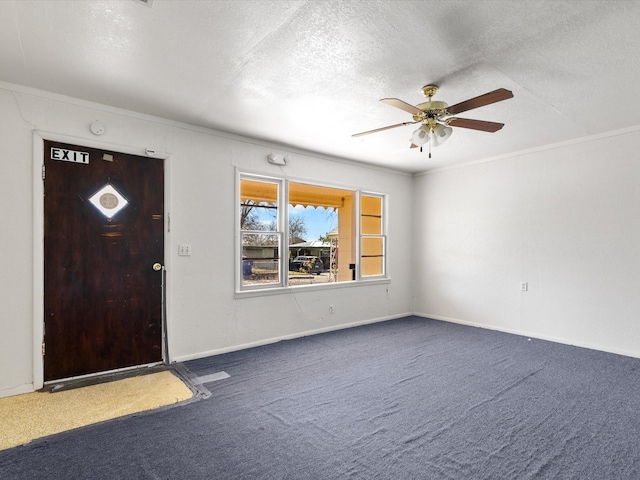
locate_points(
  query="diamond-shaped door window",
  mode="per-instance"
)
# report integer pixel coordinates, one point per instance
(108, 201)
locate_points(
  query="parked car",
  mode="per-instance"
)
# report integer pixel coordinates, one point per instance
(306, 264)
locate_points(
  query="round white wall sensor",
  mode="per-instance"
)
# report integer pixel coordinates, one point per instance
(97, 128)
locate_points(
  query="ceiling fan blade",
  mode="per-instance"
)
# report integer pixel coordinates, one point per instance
(486, 99)
(381, 129)
(413, 145)
(396, 102)
(481, 125)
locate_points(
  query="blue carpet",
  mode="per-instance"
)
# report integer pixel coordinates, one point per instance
(406, 399)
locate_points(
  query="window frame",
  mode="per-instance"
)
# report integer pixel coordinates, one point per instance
(281, 231)
(363, 236)
(282, 285)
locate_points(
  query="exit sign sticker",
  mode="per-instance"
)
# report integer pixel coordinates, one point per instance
(66, 155)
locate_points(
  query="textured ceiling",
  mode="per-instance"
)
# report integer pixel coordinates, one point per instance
(310, 73)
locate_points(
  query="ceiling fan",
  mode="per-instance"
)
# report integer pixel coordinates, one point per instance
(436, 128)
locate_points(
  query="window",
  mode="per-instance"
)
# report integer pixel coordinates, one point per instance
(293, 234)
(333, 248)
(372, 248)
(261, 234)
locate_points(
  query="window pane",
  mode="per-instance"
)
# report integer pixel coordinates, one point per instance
(261, 240)
(372, 258)
(372, 247)
(108, 200)
(258, 191)
(316, 196)
(320, 224)
(260, 258)
(371, 215)
(258, 205)
(371, 225)
(372, 266)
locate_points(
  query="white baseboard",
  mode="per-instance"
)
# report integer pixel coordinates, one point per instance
(259, 343)
(538, 336)
(19, 390)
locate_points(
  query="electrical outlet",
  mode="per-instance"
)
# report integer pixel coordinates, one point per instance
(524, 286)
(330, 308)
(184, 250)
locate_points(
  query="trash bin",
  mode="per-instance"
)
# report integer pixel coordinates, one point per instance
(247, 266)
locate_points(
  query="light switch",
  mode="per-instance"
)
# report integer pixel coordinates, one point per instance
(184, 250)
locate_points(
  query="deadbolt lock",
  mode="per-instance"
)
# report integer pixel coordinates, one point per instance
(157, 266)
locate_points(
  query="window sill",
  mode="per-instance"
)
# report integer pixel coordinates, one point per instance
(262, 292)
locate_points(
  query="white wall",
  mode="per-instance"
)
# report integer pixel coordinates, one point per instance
(564, 219)
(204, 315)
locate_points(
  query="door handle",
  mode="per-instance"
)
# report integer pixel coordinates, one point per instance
(157, 266)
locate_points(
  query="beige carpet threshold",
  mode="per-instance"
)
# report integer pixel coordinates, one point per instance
(24, 418)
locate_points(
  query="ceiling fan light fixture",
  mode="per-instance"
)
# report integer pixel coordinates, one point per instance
(440, 134)
(421, 135)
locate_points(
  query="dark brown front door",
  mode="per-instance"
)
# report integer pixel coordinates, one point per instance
(103, 233)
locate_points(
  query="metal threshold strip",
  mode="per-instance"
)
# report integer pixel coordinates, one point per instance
(102, 377)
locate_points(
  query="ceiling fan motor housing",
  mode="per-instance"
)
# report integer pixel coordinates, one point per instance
(432, 109)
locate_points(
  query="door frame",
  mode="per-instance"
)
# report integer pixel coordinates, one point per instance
(38, 238)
